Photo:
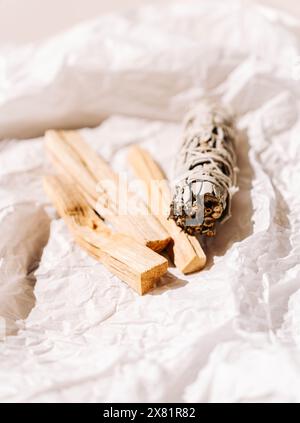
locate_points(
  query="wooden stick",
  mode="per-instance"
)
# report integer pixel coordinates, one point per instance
(90, 173)
(187, 253)
(132, 262)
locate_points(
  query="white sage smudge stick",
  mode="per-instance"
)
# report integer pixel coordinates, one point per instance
(205, 170)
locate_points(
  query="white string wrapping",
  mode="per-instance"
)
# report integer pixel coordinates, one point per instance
(205, 171)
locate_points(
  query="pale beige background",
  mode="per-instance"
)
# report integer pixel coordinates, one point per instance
(23, 21)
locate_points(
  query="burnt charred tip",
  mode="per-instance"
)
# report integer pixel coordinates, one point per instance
(186, 221)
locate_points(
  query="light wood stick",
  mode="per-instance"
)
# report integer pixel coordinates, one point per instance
(132, 262)
(188, 255)
(90, 173)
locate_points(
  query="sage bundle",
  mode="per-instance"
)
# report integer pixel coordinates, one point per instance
(205, 170)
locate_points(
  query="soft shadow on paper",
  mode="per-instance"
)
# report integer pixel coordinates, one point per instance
(25, 232)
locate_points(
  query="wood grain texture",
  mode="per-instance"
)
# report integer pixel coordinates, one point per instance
(91, 173)
(133, 263)
(186, 252)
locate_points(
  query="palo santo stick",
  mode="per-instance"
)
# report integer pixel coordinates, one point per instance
(91, 174)
(132, 262)
(188, 254)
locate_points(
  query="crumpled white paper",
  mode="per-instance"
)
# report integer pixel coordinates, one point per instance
(229, 333)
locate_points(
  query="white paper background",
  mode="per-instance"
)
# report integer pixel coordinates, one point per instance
(228, 333)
